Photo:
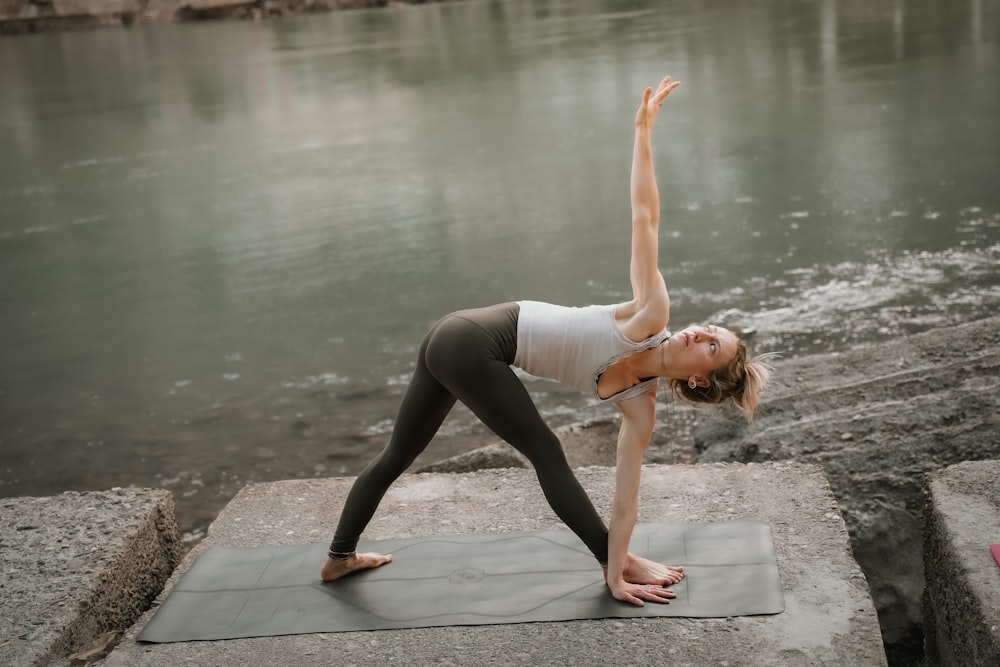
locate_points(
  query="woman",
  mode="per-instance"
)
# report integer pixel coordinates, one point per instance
(615, 352)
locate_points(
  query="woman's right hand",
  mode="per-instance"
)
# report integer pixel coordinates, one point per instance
(652, 102)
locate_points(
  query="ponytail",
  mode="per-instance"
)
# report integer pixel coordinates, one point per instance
(741, 380)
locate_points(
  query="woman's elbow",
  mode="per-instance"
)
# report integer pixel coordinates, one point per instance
(643, 216)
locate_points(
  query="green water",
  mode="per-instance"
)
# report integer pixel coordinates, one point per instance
(221, 243)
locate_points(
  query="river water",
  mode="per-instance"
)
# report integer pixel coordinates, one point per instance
(221, 243)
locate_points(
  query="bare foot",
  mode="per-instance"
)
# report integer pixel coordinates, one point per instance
(640, 570)
(335, 569)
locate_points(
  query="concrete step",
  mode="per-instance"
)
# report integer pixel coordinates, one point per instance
(962, 595)
(829, 619)
(78, 565)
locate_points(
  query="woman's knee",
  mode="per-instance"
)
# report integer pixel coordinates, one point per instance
(389, 464)
(545, 452)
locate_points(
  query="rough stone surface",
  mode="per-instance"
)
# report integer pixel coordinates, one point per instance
(962, 598)
(78, 565)
(829, 620)
(24, 16)
(589, 443)
(877, 419)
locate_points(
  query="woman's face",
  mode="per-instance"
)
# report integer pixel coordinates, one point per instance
(699, 350)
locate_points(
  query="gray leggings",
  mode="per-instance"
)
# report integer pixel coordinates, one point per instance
(466, 356)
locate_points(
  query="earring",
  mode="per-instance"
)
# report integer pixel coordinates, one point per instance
(692, 383)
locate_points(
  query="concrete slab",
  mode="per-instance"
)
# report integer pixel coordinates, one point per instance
(962, 592)
(78, 565)
(830, 618)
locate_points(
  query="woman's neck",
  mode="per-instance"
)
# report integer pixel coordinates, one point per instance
(648, 363)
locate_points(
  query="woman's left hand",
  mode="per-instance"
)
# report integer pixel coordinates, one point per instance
(652, 102)
(639, 594)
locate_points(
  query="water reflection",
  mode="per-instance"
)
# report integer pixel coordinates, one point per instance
(220, 243)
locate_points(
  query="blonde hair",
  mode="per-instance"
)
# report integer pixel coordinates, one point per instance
(741, 380)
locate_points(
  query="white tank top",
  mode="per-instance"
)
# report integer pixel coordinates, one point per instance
(575, 345)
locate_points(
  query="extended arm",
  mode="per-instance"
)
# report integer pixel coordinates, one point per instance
(638, 419)
(649, 310)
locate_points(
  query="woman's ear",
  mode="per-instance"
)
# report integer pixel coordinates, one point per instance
(698, 381)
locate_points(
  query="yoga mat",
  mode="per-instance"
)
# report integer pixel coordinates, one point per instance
(730, 570)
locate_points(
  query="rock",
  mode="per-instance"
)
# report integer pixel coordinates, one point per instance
(69, 580)
(23, 16)
(962, 598)
(498, 455)
(901, 410)
(98, 649)
(589, 443)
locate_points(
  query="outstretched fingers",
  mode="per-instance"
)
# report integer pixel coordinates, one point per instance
(639, 595)
(652, 101)
(667, 86)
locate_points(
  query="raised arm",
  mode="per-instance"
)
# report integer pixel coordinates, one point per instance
(649, 310)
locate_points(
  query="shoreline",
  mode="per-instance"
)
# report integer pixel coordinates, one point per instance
(877, 421)
(22, 17)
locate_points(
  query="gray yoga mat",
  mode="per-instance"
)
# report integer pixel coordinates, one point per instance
(730, 570)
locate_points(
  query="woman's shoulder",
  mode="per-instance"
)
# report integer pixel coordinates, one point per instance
(640, 325)
(546, 307)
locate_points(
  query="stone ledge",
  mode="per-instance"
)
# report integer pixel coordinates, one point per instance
(829, 620)
(588, 443)
(78, 565)
(962, 592)
(28, 16)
